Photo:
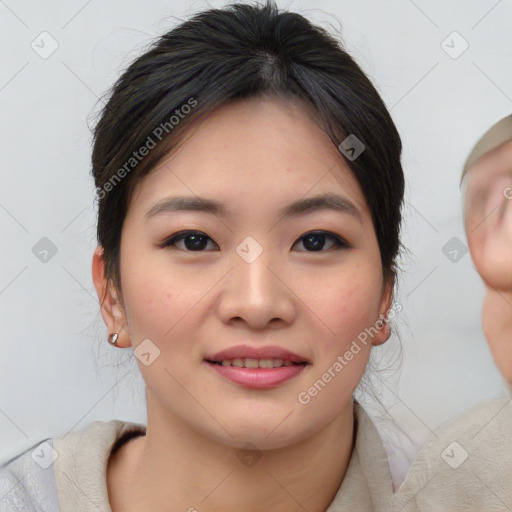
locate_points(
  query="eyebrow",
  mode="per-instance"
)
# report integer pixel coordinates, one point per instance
(304, 206)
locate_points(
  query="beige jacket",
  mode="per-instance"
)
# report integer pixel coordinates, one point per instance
(466, 466)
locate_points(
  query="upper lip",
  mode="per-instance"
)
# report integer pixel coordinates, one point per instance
(246, 351)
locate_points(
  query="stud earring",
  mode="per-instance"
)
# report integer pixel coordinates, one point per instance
(112, 338)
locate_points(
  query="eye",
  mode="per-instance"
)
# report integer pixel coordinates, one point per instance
(315, 240)
(195, 241)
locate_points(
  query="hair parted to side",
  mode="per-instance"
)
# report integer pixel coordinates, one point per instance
(236, 52)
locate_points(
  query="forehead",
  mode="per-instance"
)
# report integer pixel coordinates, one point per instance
(264, 148)
(498, 158)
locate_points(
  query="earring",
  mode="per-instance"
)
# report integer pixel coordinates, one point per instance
(112, 338)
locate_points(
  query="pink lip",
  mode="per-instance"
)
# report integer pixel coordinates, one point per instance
(258, 378)
(245, 351)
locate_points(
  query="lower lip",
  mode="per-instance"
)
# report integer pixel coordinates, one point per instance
(258, 378)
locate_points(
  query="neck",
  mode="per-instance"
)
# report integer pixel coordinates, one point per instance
(174, 464)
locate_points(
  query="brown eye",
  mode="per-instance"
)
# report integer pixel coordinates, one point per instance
(315, 241)
(194, 241)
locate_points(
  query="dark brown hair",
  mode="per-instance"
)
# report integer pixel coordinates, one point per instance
(218, 56)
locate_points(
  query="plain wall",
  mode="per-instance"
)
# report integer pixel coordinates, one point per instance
(57, 371)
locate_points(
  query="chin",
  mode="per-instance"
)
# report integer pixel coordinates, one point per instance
(264, 432)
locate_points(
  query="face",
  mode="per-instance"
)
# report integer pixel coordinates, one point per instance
(488, 216)
(307, 283)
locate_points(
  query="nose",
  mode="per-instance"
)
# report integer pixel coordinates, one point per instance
(257, 294)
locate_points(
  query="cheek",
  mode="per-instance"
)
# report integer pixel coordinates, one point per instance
(476, 241)
(158, 298)
(343, 307)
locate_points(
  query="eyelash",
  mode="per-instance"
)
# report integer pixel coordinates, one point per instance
(181, 235)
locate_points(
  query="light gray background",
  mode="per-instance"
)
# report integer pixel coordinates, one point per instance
(57, 371)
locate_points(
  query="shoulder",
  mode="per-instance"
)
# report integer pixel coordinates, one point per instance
(27, 481)
(83, 457)
(467, 462)
(43, 477)
(102, 435)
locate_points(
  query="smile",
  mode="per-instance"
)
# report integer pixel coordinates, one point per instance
(255, 363)
(257, 373)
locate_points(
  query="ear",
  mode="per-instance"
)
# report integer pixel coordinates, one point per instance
(111, 308)
(384, 331)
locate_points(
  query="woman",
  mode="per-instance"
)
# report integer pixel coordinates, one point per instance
(249, 205)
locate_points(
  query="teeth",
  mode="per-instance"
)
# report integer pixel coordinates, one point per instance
(256, 363)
